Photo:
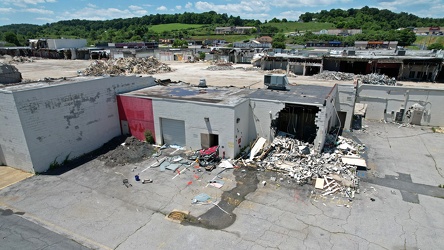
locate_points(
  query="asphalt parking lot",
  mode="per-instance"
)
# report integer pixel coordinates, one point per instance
(399, 205)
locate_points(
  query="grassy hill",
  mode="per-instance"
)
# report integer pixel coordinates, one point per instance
(427, 40)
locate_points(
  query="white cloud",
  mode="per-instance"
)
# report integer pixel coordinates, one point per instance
(178, 7)
(237, 8)
(46, 19)
(138, 10)
(95, 13)
(162, 8)
(6, 10)
(91, 5)
(135, 7)
(188, 5)
(304, 3)
(39, 11)
(290, 15)
(435, 12)
(24, 3)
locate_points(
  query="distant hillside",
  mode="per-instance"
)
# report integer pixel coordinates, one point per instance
(376, 24)
(370, 19)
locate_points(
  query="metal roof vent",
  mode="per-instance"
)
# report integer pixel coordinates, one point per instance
(202, 83)
(276, 81)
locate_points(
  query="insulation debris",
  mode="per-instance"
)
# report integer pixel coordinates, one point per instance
(299, 161)
(126, 66)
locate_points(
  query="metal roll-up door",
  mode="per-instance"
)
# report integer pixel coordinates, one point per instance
(173, 132)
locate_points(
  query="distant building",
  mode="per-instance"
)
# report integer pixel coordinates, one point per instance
(56, 44)
(376, 44)
(233, 30)
(339, 32)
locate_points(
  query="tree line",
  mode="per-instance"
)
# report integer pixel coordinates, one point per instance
(376, 24)
(368, 18)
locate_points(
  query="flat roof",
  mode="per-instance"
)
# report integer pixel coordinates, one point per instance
(297, 94)
(228, 96)
(49, 82)
(231, 96)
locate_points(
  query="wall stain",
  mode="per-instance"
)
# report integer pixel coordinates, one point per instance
(91, 122)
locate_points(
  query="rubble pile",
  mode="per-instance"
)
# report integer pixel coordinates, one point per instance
(220, 67)
(23, 59)
(298, 160)
(131, 151)
(378, 79)
(126, 66)
(333, 75)
(276, 71)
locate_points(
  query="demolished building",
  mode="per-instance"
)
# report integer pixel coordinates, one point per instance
(195, 117)
(44, 123)
(399, 64)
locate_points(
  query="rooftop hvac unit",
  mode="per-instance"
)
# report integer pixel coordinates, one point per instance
(276, 81)
(202, 83)
(351, 52)
(400, 52)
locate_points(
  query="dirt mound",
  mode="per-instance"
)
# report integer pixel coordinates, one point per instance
(131, 151)
(126, 66)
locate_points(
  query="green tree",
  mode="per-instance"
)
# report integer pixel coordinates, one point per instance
(436, 46)
(11, 37)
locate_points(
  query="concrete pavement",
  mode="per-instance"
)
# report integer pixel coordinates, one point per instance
(91, 205)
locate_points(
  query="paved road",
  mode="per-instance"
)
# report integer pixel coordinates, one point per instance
(19, 233)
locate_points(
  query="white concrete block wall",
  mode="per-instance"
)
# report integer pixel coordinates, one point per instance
(326, 118)
(66, 43)
(222, 122)
(245, 131)
(13, 149)
(264, 111)
(381, 100)
(346, 102)
(71, 119)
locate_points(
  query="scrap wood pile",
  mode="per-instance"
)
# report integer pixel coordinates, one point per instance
(336, 167)
(372, 78)
(126, 66)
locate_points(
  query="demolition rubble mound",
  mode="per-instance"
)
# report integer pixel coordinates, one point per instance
(373, 78)
(332, 75)
(221, 66)
(126, 66)
(335, 166)
(378, 79)
(131, 151)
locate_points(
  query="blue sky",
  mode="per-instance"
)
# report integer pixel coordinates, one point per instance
(47, 11)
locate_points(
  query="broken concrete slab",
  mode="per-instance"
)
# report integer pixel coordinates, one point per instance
(257, 147)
